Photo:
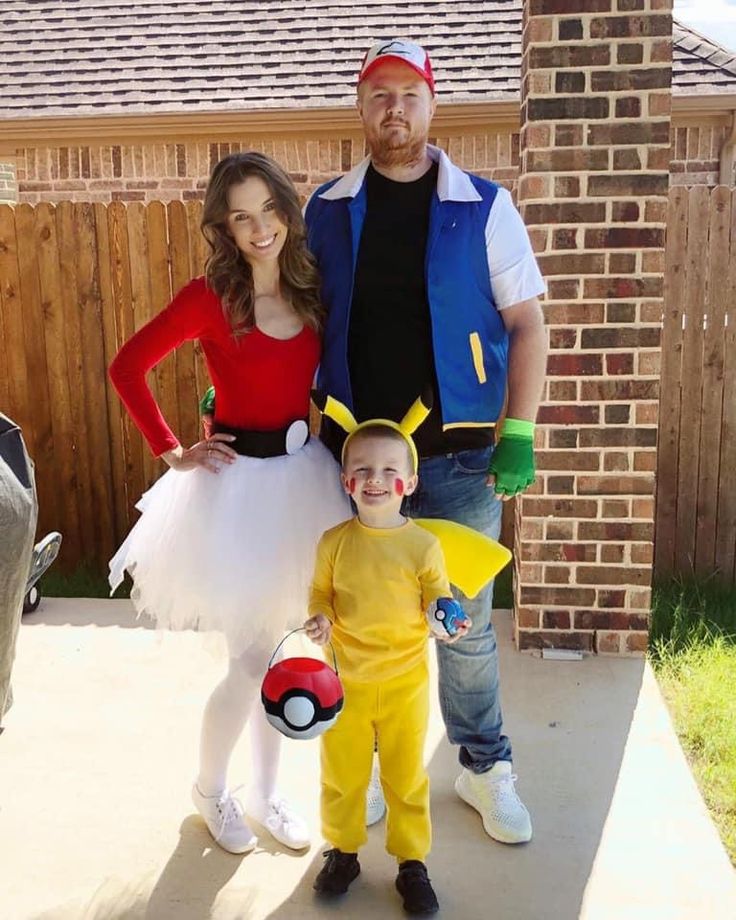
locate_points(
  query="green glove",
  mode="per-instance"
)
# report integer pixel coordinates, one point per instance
(512, 462)
(207, 402)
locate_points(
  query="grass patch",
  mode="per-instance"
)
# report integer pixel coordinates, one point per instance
(693, 651)
(685, 611)
(85, 581)
(503, 588)
(698, 683)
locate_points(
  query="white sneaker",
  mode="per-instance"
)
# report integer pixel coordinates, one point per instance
(493, 795)
(375, 804)
(281, 821)
(223, 815)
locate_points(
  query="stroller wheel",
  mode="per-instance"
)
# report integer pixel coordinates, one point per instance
(32, 600)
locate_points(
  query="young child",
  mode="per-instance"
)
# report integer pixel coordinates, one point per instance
(227, 536)
(375, 577)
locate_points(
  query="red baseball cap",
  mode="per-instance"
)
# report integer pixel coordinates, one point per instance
(398, 49)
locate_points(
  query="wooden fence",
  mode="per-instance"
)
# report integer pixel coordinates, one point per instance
(696, 463)
(76, 280)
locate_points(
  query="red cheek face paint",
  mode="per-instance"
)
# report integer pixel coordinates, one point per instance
(351, 486)
(399, 486)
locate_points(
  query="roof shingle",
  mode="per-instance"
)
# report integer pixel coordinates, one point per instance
(699, 65)
(116, 57)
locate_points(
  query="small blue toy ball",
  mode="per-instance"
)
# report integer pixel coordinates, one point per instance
(444, 616)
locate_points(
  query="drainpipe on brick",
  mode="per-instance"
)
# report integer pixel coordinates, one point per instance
(726, 173)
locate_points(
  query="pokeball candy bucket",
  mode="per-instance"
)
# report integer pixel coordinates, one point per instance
(302, 696)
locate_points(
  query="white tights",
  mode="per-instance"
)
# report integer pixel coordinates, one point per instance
(235, 698)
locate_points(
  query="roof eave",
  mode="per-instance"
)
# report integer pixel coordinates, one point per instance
(702, 104)
(214, 126)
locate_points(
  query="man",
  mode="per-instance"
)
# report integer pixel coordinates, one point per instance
(429, 279)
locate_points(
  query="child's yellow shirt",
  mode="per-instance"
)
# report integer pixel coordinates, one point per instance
(375, 585)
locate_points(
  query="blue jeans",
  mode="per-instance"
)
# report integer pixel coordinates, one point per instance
(454, 487)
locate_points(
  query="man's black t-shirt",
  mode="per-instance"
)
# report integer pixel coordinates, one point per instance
(390, 351)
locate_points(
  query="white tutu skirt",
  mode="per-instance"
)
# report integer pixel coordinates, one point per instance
(234, 551)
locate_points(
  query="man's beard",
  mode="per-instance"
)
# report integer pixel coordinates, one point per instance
(390, 153)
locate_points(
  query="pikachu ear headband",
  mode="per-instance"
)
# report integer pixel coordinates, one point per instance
(340, 414)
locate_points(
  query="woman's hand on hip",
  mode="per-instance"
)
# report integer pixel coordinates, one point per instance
(211, 453)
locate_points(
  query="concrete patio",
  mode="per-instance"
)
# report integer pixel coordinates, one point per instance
(98, 754)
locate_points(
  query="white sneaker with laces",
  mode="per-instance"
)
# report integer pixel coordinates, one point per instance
(281, 821)
(223, 815)
(375, 804)
(492, 794)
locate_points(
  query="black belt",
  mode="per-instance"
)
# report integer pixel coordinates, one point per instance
(275, 443)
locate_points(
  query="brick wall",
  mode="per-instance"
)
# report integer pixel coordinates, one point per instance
(161, 172)
(147, 172)
(8, 185)
(594, 176)
(695, 151)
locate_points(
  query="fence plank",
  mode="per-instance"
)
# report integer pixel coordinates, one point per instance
(4, 376)
(712, 380)
(692, 369)
(100, 514)
(7, 231)
(198, 256)
(726, 543)
(62, 419)
(181, 273)
(68, 256)
(11, 303)
(158, 267)
(142, 312)
(42, 439)
(110, 345)
(120, 277)
(670, 395)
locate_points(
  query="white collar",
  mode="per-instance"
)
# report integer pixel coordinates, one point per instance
(452, 183)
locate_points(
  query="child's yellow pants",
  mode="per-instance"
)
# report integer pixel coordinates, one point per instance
(395, 711)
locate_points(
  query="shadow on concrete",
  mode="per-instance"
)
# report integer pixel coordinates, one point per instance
(186, 889)
(193, 877)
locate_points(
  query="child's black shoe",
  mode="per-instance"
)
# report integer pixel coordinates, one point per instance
(414, 886)
(339, 870)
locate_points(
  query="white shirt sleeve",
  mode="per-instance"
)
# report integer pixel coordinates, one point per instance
(512, 266)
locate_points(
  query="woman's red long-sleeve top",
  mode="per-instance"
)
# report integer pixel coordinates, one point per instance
(262, 383)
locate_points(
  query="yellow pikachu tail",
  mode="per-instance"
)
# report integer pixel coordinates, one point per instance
(472, 558)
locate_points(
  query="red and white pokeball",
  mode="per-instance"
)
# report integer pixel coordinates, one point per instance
(302, 696)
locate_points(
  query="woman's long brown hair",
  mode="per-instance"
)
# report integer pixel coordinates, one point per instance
(228, 272)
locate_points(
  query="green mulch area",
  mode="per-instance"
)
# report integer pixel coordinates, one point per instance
(693, 651)
(684, 611)
(85, 581)
(503, 588)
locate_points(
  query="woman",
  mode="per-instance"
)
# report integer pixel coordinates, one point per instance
(227, 536)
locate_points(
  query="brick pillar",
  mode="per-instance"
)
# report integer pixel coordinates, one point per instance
(595, 116)
(8, 183)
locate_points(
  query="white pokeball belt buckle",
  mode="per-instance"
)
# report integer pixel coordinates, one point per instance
(297, 436)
